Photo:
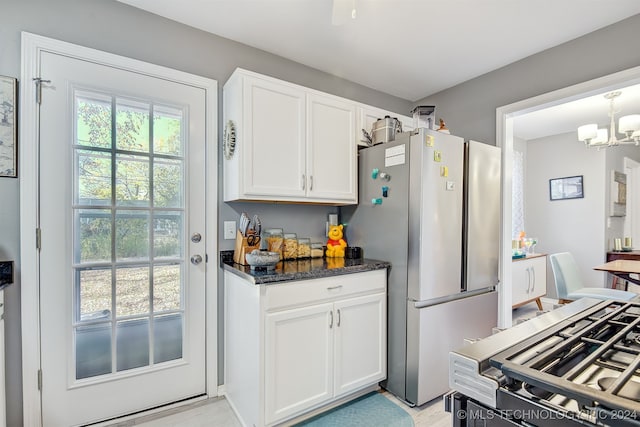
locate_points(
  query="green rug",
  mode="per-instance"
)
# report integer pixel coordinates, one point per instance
(370, 410)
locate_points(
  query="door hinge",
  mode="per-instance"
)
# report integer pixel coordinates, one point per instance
(38, 81)
(40, 379)
(38, 239)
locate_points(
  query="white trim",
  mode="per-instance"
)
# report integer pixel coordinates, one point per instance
(32, 46)
(504, 139)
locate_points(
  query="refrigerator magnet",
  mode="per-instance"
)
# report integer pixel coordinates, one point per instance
(444, 171)
(437, 156)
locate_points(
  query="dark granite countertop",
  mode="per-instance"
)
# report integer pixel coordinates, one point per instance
(312, 268)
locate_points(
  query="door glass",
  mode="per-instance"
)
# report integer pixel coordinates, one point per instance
(129, 210)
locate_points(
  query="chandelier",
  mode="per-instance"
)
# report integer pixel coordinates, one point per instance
(627, 125)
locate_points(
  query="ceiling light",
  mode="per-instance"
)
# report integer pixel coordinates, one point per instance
(628, 125)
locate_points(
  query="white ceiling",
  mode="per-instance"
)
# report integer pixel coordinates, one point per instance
(407, 48)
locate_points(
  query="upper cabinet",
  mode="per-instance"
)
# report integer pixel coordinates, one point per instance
(284, 142)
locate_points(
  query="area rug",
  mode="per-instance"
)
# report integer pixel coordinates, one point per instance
(370, 410)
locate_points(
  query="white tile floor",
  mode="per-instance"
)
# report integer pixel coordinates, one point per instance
(218, 413)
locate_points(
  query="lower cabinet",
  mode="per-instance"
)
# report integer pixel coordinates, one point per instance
(529, 280)
(317, 341)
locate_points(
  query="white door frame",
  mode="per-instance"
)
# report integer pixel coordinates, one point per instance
(504, 139)
(32, 46)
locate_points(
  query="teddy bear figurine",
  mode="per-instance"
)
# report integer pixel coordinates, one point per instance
(335, 243)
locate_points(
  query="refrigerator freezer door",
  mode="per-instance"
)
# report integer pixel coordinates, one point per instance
(482, 209)
(434, 331)
(381, 230)
(435, 215)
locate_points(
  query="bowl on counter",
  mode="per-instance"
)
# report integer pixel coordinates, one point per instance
(262, 259)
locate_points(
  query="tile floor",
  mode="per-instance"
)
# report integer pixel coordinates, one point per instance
(217, 412)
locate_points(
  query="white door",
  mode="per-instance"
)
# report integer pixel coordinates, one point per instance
(360, 342)
(275, 124)
(298, 360)
(332, 149)
(121, 195)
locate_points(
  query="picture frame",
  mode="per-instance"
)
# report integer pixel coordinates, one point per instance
(618, 193)
(568, 187)
(8, 127)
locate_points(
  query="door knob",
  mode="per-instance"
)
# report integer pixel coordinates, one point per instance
(196, 259)
(196, 237)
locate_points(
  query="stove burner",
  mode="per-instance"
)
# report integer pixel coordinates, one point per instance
(631, 389)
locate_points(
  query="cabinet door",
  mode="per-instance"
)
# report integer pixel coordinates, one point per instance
(273, 134)
(360, 342)
(298, 360)
(538, 271)
(521, 281)
(331, 156)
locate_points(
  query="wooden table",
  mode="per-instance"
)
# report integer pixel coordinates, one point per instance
(622, 268)
(614, 255)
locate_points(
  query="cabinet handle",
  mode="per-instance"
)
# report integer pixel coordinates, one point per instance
(338, 324)
(331, 288)
(331, 321)
(528, 279)
(304, 181)
(310, 182)
(533, 279)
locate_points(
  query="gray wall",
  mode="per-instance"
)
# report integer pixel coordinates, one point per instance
(117, 28)
(469, 108)
(572, 225)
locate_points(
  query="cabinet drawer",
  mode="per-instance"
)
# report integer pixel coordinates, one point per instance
(325, 289)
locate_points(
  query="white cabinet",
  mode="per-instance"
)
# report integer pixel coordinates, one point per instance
(291, 143)
(294, 347)
(529, 280)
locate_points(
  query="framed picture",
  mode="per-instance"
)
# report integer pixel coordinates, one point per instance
(569, 187)
(618, 193)
(8, 126)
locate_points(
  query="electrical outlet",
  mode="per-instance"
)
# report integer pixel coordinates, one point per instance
(229, 230)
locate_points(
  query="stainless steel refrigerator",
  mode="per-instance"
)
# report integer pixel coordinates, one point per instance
(429, 203)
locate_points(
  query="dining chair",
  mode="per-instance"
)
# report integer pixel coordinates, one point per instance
(569, 285)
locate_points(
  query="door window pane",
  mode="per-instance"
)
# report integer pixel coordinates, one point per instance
(93, 120)
(93, 234)
(132, 125)
(132, 344)
(167, 292)
(167, 131)
(167, 183)
(167, 234)
(93, 182)
(132, 235)
(132, 291)
(93, 350)
(94, 292)
(132, 180)
(167, 337)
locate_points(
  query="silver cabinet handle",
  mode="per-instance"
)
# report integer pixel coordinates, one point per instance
(338, 324)
(331, 321)
(331, 288)
(196, 259)
(533, 280)
(304, 181)
(528, 279)
(310, 182)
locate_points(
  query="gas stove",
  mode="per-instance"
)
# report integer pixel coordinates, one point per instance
(577, 365)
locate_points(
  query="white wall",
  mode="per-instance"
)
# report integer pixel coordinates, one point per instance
(572, 225)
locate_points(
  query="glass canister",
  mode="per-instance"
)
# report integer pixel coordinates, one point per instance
(290, 246)
(274, 238)
(317, 250)
(304, 247)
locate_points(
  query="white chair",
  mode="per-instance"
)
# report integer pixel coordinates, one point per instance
(569, 286)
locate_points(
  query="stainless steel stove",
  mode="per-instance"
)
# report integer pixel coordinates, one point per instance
(577, 365)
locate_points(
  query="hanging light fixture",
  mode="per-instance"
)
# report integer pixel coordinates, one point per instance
(627, 125)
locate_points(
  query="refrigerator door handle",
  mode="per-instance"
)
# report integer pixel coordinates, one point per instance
(462, 295)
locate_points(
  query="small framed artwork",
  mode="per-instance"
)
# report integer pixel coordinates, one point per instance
(618, 193)
(569, 187)
(8, 127)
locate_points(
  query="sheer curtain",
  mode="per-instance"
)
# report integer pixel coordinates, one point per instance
(517, 196)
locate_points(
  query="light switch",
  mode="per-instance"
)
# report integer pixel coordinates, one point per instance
(229, 230)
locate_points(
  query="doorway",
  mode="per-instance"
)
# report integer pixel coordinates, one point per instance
(117, 299)
(505, 138)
